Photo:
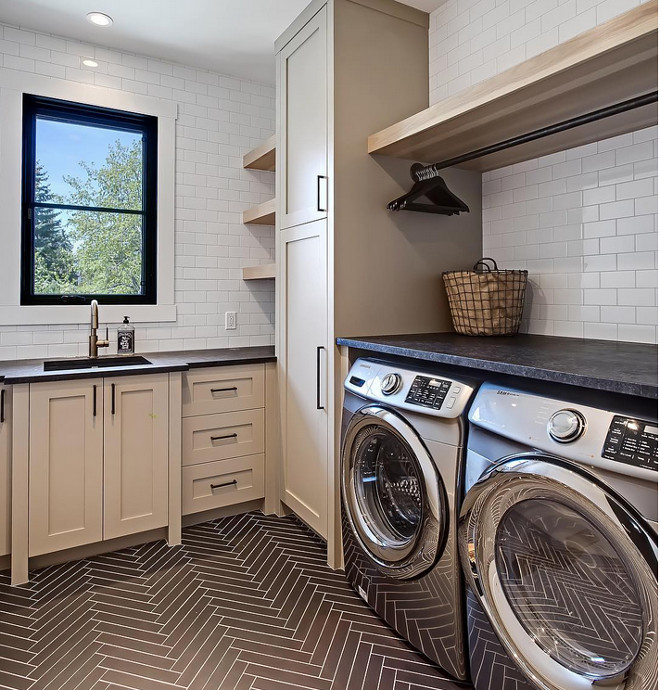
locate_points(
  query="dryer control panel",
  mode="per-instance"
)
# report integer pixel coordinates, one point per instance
(633, 442)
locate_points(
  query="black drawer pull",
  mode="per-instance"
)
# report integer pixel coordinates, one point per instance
(220, 438)
(112, 410)
(94, 403)
(218, 486)
(2, 406)
(223, 390)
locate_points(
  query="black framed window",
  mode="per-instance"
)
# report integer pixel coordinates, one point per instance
(89, 204)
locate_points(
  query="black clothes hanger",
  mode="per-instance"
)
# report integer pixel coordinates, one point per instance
(435, 189)
(429, 184)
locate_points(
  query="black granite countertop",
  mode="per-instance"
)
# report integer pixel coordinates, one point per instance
(32, 370)
(618, 367)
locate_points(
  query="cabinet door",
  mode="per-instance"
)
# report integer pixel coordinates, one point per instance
(136, 454)
(5, 470)
(304, 362)
(66, 465)
(303, 186)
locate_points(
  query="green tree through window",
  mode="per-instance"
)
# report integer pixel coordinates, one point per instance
(54, 264)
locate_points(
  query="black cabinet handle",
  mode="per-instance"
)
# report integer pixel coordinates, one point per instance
(318, 192)
(319, 349)
(2, 406)
(112, 399)
(223, 390)
(94, 402)
(218, 486)
(219, 438)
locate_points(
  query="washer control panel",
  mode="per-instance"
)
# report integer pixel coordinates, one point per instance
(633, 442)
(407, 389)
(428, 392)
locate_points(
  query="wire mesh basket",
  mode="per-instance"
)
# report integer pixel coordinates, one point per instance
(486, 300)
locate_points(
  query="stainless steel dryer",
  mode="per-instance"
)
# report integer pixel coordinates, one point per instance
(402, 451)
(558, 540)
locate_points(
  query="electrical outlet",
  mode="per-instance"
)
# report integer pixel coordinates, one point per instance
(230, 320)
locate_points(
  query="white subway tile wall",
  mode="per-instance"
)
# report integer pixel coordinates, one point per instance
(220, 119)
(471, 40)
(583, 222)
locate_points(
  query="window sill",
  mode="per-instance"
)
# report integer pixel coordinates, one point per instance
(78, 314)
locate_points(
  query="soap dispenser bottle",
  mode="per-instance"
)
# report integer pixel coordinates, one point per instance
(126, 338)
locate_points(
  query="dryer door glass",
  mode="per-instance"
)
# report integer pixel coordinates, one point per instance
(566, 572)
(392, 494)
(569, 587)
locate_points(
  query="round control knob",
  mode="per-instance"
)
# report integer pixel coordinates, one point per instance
(390, 384)
(566, 425)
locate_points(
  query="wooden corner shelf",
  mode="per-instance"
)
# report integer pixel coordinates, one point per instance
(608, 64)
(264, 214)
(259, 272)
(262, 157)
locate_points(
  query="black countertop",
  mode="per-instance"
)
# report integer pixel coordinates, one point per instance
(618, 367)
(32, 370)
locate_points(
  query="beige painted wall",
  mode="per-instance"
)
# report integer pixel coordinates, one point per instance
(388, 265)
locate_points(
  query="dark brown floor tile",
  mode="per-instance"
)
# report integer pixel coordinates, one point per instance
(246, 602)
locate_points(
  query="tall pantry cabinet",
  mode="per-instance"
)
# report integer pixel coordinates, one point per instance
(347, 266)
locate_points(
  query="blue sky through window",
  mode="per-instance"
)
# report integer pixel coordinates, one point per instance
(60, 146)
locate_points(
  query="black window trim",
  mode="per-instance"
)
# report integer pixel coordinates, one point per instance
(34, 106)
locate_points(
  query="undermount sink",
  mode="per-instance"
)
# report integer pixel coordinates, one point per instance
(93, 363)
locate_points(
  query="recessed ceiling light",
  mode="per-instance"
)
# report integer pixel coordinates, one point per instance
(99, 19)
(88, 62)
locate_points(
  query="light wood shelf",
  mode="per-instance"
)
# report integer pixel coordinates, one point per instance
(611, 63)
(264, 214)
(259, 272)
(262, 157)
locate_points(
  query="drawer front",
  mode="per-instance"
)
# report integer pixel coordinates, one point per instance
(223, 389)
(220, 436)
(223, 483)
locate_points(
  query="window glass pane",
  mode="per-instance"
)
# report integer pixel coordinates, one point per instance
(87, 165)
(87, 252)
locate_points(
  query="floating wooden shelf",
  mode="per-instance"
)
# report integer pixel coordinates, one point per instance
(264, 214)
(261, 158)
(259, 272)
(611, 63)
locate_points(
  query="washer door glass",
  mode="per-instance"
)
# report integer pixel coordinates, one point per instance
(388, 486)
(569, 587)
(392, 494)
(566, 572)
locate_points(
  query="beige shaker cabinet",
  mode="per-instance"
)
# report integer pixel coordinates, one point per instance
(346, 69)
(303, 150)
(66, 465)
(304, 362)
(98, 461)
(5, 470)
(135, 469)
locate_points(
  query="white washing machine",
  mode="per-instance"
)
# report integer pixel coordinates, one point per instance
(558, 541)
(402, 456)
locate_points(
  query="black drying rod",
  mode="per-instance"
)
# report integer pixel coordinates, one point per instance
(430, 171)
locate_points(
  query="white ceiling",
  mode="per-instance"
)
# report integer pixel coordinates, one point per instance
(228, 36)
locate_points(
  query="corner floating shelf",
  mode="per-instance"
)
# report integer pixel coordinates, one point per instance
(259, 272)
(610, 63)
(264, 214)
(262, 157)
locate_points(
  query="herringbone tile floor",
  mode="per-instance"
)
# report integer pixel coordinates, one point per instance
(245, 602)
